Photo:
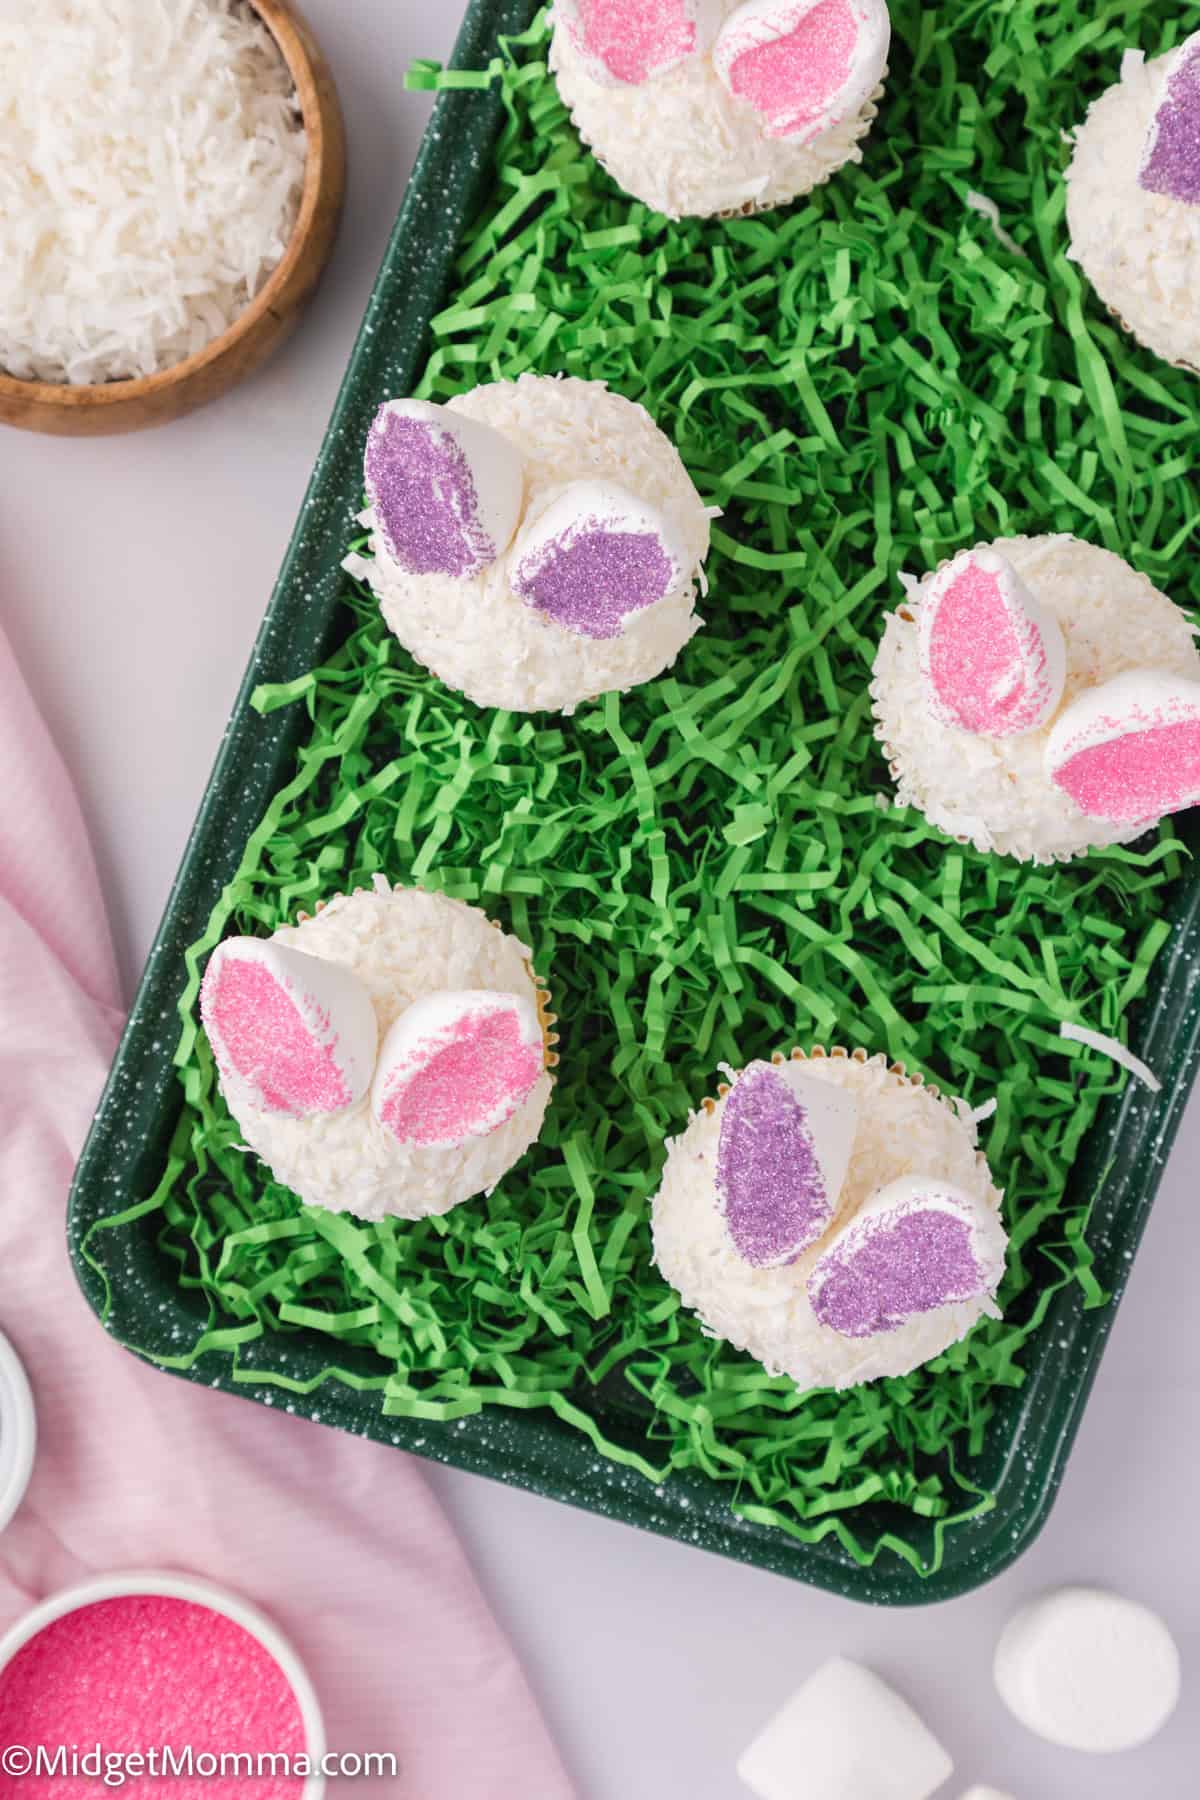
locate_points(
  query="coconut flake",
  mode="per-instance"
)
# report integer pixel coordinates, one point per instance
(1110, 1046)
(151, 167)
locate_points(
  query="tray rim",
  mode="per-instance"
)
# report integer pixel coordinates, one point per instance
(1133, 1131)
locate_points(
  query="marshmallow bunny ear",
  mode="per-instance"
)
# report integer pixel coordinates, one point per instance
(916, 1244)
(1171, 160)
(782, 1156)
(1129, 750)
(632, 41)
(294, 1033)
(455, 1065)
(993, 660)
(804, 65)
(594, 556)
(446, 490)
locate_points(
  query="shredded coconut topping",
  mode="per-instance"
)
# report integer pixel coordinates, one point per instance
(151, 166)
(479, 636)
(1139, 250)
(994, 792)
(903, 1130)
(1110, 1046)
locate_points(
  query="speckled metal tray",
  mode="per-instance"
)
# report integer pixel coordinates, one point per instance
(1030, 1436)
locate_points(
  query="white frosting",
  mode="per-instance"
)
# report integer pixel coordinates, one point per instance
(904, 1129)
(995, 792)
(480, 637)
(845, 1735)
(685, 145)
(1088, 1669)
(402, 944)
(1140, 251)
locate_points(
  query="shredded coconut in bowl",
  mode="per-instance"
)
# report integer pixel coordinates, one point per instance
(151, 166)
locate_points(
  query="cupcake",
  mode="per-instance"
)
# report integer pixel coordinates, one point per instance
(389, 1056)
(711, 106)
(534, 543)
(832, 1216)
(1133, 200)
(1039, 698)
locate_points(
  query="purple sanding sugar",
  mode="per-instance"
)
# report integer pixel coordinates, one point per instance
(590, 579)
(1172, 166)
(899, 1265)
(421, 487)
(769, 1180)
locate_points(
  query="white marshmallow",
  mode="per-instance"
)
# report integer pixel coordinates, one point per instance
(291, 1033)
(648, 46)
(1011, 691)
(845, 1735)
(1088, 1670)
(1125, 784)
(742, 57)
(446, 490)
(595, 555)
(908, 1197)
(489, 1081)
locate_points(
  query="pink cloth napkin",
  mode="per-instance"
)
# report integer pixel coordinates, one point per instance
(338, 1539)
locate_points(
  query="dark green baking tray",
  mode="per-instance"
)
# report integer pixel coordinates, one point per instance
(1031, 1434)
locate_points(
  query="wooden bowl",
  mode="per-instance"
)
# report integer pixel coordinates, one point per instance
(112, 406)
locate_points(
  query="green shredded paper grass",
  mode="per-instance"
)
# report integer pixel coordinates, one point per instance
(708, 869)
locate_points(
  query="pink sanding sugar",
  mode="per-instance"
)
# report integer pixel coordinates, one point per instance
(793, 80)
(479, 1078)
(976, 661)
(268, 1043)
(636, 38)
(140, 1672)
(1138, 775)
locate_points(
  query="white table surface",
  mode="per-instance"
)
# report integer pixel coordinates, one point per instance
(133, 574)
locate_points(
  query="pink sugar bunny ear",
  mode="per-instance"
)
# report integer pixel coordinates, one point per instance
(632, 41)
(292, 1033)
(456, 1065)
(594, 557)
(1129, 750)
(446, 489)
(804, 65)
(916, 1244)
(782, 1156)
(993, 661)
(1171, 163)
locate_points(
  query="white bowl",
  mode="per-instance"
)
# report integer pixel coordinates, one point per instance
(169, 1586)
(18, 1432)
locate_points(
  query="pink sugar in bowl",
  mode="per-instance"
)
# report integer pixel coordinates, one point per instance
(156, 1686)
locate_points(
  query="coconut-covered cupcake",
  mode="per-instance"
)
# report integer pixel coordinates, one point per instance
(389, 1055)
(716, 106)
(833, 1216)
(1133, 200)
(1040, 698)
(534, 542)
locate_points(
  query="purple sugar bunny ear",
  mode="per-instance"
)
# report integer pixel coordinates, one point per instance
(1171, 163)
(804, 65)
(1129, 750)
(446, 490)
(596, 555)
(916, 1244)
(782, 1155)
(633, 41)
(993, 660)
